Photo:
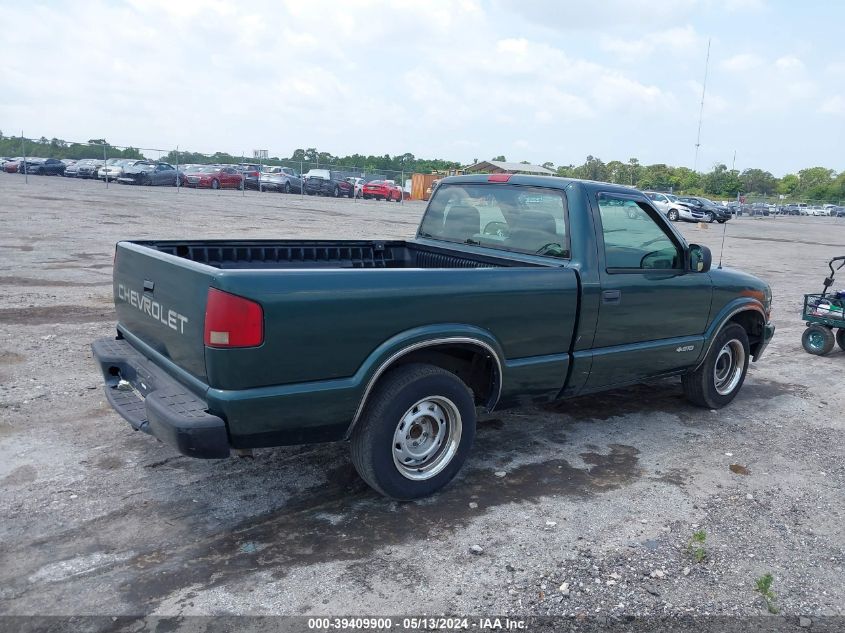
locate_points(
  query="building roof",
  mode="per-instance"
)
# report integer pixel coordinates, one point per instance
(498, 165)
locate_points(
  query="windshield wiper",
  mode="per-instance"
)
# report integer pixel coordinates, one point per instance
(471, 241)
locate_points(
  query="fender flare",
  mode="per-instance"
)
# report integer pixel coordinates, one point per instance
(724, 316)
(388, 353)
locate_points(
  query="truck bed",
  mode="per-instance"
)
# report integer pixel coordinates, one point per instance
(287, 254)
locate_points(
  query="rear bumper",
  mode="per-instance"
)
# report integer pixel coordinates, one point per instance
(155, 403)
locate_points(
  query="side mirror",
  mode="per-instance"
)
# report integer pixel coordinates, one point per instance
(700, 258)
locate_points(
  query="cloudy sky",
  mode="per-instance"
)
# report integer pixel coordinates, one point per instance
(538, 81)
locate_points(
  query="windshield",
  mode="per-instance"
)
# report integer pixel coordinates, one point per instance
(508, 217)
(376, 182)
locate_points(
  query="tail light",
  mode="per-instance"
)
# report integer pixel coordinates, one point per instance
(232, 321)
(498, 177)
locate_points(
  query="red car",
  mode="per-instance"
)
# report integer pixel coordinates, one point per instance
(11, 166)
(382, 190)
(213, 176)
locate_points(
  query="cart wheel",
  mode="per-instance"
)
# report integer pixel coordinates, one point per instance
(818, 340)
(840, 338)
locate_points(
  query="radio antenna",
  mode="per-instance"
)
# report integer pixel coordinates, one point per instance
(722, 249)
(701, 109)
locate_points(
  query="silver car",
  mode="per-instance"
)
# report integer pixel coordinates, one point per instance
(673, 208)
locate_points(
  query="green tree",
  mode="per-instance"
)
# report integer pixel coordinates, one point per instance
(501, 158)
(758, 181)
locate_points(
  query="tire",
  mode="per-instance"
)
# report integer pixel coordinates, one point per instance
(215, 184)
(720, 377)
(287, 187)
(673, 215)
(336, 192)
(721, 221)
(840, 338)
(709, 217)
(393, 465)
(399, 198)
(818, 340)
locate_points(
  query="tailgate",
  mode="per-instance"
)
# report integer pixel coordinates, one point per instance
(161, 299)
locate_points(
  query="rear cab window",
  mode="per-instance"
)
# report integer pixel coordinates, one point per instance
(521, 219)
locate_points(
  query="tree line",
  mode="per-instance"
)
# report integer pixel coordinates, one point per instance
(813, 183)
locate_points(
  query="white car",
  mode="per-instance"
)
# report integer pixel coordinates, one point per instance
(673, 208)
(358, 183)
(113, 169)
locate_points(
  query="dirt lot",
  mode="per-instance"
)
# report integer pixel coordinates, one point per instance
(602, 493)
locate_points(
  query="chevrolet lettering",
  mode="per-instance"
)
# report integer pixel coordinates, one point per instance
(516, 289)
(153, 309)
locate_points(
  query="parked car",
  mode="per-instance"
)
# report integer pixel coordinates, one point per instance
(280, 181)
(358, 184)
(673, 208)
(325, 182)
(214, 177)
(113, 168)
(88, 168)
(42, 166)
(712, 212)
(236, 344)
(11, 166)
(72, 170)
(382, 190)
(151, 173)
(251, 173)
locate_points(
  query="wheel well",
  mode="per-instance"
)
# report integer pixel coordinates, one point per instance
(753, 323)
(473, 365)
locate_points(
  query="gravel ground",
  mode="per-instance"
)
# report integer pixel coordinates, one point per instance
(587, 507)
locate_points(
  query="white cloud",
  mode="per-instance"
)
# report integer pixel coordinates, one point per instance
(789, 63)
(833, 105)
(741, 63)
(669, 42)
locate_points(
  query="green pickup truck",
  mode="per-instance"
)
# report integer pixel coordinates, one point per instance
(517, 290)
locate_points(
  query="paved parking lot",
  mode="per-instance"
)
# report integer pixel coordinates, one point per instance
(595, 513)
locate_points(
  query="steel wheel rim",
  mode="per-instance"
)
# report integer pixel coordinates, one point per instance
(816, 340)
(727, 370)
(427, 438)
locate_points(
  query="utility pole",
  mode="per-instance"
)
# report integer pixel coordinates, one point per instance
(733, 163)
(701, 109)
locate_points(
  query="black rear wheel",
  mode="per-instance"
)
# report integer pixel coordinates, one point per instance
(840, 338)
(415, 432)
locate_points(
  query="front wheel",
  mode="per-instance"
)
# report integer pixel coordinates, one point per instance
(673, 215)
(819, 340)
(840, 338)
(720, 377)
(709, 217)
(415, 432)
(336, 192)
(215, 184)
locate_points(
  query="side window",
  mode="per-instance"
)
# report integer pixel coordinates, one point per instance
(632, 239)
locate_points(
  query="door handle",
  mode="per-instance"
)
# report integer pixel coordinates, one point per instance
(149, 286)
(611, 296)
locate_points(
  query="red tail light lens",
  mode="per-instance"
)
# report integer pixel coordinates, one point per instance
(232, 321)
(498, 177)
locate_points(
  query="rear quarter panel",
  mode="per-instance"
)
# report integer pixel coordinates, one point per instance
(323, 325)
